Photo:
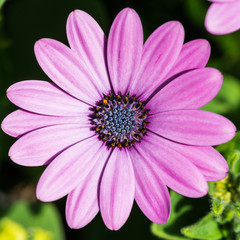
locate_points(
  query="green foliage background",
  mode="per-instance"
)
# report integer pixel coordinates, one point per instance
(23, 22)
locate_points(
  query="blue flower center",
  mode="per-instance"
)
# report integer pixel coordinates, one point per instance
(119, 120)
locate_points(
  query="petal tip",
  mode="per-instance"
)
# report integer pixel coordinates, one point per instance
(71, 223)
(215, 75)
(76, 13)
(202, 190)
(204, 45)
(4, 125)
(13, 154)
(177, 26)
(230, 130)
(128, 13)
(10, 90)
(41, 195)
(114, 227)
(41, 44)
(38, 44)
(128, 10)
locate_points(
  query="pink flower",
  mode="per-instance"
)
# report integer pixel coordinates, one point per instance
(223, 17)
(144, 135)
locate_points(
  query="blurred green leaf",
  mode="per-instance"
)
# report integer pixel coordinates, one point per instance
(1, 3)
(44, 216)
(206, 228)
(196, 11)
(228, 98)
(237, 228)
(171, 230)
(184, 211)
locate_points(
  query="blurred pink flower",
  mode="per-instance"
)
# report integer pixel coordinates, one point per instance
(223, 17)
(144, 135)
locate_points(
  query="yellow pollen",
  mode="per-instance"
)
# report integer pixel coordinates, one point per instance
(105, 102)
(105, 138)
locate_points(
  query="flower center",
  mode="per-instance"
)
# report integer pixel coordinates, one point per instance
(119, 120)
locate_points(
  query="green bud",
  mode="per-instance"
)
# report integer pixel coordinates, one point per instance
(234, 162)
(218, 206)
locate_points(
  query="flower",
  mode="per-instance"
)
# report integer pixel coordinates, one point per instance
(121, 120)
(223, 17)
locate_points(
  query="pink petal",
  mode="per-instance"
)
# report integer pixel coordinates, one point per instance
(194, 127)
(43, 97)
(151, 193)
(82, 203)
(41, 146)
(222, 0)
(21, 122)
(86, 37)
(176, 170)
(209, 162)
(160, 52)
(117, 190)
(124, 49)
(69, 169)
(64, 67)
(194, 54)
(223, 18)
(191, 90)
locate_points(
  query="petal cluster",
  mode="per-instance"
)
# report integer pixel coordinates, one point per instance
(223, 17)
(165, 73)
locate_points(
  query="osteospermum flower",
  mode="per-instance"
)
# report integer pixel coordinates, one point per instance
(223, 16)
(121, 120)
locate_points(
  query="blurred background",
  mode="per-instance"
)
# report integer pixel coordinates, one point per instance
(22, 23)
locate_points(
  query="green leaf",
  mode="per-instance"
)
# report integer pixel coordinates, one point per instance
(237, 227)
(44, 216)
(237, 209)
(184, 211)
(228, 98)
(1, 3)
(206, 228)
